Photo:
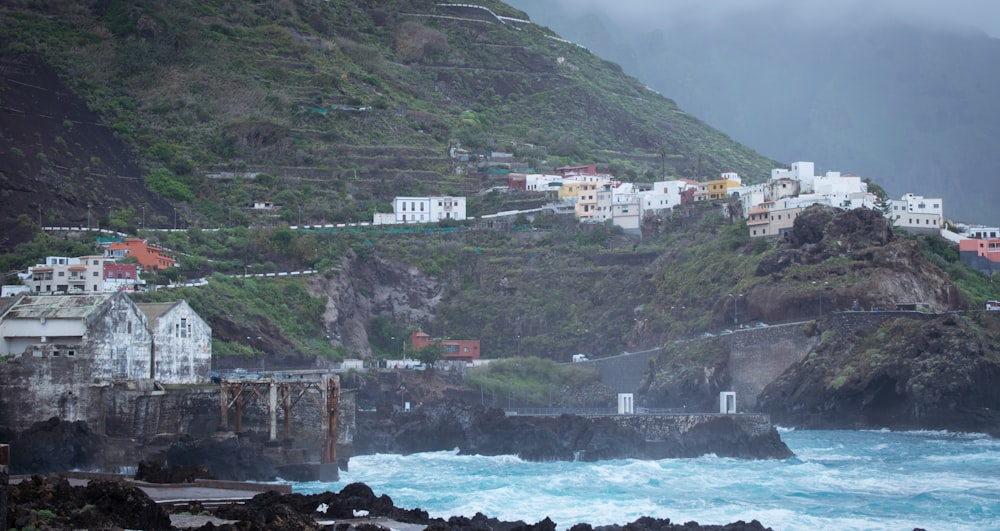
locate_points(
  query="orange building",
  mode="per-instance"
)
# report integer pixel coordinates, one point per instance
(454, 349)
(149, 256)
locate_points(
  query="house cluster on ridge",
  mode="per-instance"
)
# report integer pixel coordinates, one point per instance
(94, 273)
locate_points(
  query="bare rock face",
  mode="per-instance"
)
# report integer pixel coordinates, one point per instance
(853, 260)
(362, 288)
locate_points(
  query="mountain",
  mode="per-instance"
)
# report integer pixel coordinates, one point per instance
(178, 114)
(909, 104)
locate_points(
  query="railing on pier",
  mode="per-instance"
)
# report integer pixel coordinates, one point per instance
(589, 411)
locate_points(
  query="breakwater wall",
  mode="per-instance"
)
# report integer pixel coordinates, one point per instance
(667, 427)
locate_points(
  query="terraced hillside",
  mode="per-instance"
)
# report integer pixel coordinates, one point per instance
(340, 105)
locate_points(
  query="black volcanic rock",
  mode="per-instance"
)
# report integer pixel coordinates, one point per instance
(54, 446)
(232, 458)
(936, 373)
(52, 503)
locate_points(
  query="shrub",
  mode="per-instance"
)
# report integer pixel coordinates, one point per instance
(163, 182)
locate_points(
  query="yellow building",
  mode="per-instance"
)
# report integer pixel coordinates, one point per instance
(719, 188)
(569, 190)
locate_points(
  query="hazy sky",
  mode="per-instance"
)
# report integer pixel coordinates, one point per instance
(980, 14)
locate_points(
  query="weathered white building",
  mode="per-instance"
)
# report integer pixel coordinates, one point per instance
(61, 354)
(107, 330)
(182, 343)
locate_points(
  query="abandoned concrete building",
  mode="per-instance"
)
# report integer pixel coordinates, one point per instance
(59, 353)
(182, 343)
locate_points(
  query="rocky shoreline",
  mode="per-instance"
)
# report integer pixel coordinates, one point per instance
(53, 503)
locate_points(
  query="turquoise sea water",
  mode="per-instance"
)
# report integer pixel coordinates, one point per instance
(838, 480)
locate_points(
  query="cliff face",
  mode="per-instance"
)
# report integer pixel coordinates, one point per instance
(363, 288)
(939, 373)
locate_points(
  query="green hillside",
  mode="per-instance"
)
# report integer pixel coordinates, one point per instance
(327, 108)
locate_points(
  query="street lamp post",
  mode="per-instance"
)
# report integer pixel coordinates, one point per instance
(822, 287)
(736, 305)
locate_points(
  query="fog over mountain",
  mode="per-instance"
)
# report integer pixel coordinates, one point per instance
(904, 92)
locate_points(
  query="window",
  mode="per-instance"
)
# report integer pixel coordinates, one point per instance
(95, 273)
(404, 206)
(184, 327)
(62, 273)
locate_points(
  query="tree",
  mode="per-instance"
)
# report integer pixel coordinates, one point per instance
(430, 354)
(882, 202)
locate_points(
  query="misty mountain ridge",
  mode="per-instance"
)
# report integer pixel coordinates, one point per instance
(911, 106)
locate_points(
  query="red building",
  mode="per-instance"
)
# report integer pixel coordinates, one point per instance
(121, 276)
(981, 255)
(149, 256)
(454, 349)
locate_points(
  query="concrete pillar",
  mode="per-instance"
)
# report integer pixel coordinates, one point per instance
(224, 404)
(727, 402)
(626, 404)
(272, 409)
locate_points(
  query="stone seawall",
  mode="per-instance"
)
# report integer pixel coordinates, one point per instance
(758, 356)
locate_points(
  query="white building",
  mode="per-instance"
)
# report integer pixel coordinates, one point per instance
(664, 195)
(61, 274)
(626, 211)
(407, 210)
(804, 172)
(540, 182)
(918, 214)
